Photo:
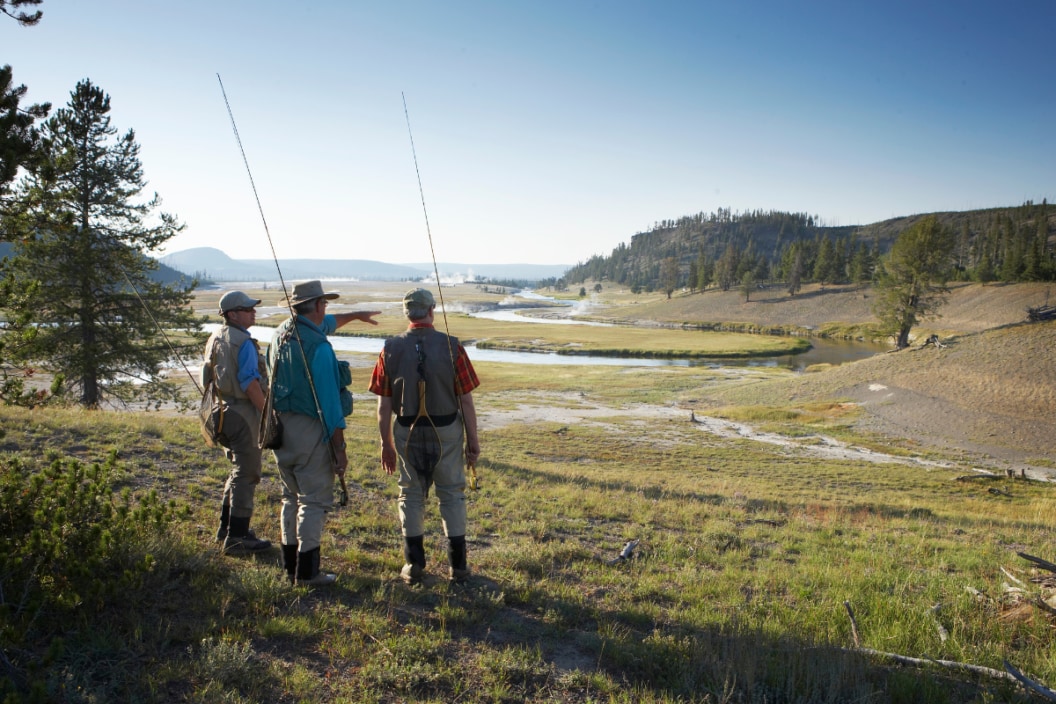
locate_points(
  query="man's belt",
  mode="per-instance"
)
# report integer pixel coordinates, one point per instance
(438, 421)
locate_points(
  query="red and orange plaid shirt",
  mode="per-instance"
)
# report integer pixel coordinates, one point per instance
(465, 376)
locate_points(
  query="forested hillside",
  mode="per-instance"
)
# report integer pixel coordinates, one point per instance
(727, 249)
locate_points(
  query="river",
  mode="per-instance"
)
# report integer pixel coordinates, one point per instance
(530, 307)
(823, 352)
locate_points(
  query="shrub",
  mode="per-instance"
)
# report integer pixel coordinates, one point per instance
(71, 547)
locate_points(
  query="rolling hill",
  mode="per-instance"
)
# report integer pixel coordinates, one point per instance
(215, 265)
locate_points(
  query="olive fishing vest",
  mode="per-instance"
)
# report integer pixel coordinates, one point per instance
(402, 367)
(292, 391)
(221, 361)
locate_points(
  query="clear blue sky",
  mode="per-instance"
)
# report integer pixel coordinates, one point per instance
(549, 131)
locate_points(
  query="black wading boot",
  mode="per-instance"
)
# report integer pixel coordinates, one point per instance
(289, 561)
(240, 538)
(456, 553)
(414, 555)
(225, 516)
(308, 570)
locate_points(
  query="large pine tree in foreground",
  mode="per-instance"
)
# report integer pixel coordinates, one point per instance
(78, 292)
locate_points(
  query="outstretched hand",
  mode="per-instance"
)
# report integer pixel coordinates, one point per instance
(366, 316)
(363, 316)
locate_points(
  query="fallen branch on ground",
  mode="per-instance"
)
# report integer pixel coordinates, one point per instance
(1044, 564)
(947, 664)
(918, 662)
(1029, 683)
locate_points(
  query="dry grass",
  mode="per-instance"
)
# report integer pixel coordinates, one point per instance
(970, 308)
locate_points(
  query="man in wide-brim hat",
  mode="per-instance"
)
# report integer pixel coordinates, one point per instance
(308, 400)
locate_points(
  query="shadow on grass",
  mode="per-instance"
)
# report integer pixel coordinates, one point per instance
(579, 652)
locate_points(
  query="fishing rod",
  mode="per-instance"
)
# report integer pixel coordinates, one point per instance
(285, 292)
(165, 337)
(439, 288)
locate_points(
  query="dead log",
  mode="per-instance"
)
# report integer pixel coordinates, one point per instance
(1036, 314)
(764, 521)
(920, 662)
(968, 477)
(1044, 564)
(1044, 606)
(947, 664)
(1029, 683)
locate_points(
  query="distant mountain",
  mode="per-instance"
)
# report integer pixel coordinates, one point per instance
(211, 263)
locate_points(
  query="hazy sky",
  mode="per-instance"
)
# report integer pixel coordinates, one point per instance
(549, 131)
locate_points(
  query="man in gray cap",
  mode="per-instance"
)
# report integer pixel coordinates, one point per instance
(308, 386)
(233, 361)
(424, 364)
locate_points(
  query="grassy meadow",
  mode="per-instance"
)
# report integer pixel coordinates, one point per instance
(735, 593)
(749, 555)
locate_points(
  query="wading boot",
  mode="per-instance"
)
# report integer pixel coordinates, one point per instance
(456, 553)
(308, 573)
(414, 555)
(289, 561)
(240, 539)
(225, 517)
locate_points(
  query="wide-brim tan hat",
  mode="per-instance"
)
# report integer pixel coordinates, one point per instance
(309, 291)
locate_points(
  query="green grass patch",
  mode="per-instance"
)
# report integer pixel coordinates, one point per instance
(735, 593)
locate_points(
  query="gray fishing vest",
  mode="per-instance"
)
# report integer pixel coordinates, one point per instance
(402, 368)
(222, 362)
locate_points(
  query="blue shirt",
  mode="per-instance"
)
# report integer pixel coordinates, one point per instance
(248, 369)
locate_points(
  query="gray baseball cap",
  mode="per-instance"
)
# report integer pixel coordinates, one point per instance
(236, 299)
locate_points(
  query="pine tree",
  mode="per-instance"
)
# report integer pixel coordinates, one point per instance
(26, 19)
(913, 275)
(19, 139)
(825, 263)
(669, 275)
(77, 288)
(795, 273)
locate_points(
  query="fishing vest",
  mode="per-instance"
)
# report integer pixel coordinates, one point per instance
(221, 361)
(401, 366)
(292, 392)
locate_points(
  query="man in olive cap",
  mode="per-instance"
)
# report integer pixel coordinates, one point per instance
(424, 354)
(309, 403)
(233, 361)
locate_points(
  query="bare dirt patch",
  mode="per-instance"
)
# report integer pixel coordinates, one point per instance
(644, 419)
(991, 395)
